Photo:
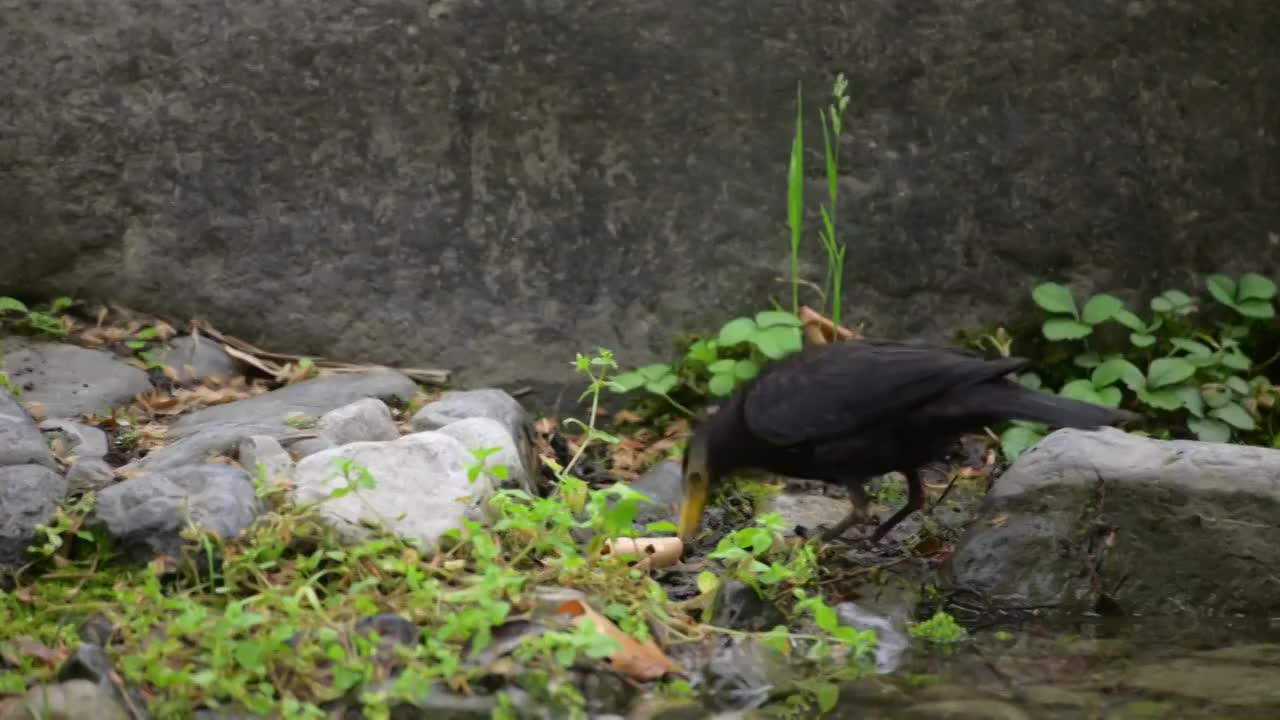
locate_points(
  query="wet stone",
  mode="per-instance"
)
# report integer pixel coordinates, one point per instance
(739, 607)
(965, 710)
(1224, 683)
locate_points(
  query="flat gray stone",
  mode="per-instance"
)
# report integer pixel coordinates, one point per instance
(90, 475)
(71, 381)
(65, 700)
(662, 484)
(1229, 684)
(366, 419)
(267, 452)
(21, 442)
(195, 358)
(1150, 526)
(299, 449)
(420, 491)
(29, 496)
(808, 511)
(456, 405)
(200, 447)
(147, 514)
(312, 398)
(965, 709)
(78, 439)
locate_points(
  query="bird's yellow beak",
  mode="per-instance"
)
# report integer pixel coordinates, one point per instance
(697, 487)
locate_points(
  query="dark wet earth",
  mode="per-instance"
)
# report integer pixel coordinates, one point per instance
(1104, 670)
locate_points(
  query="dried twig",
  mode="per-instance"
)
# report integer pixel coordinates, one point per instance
(263, 359)
(821, 330)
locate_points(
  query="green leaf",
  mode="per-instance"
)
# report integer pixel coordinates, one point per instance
(1031, 380)
(1142, 340)
(745, 369)
(1191, 346)
(1015, 440)
(1161, 304)
(1191, 399)
(703, 351)
(1165, 399)
(655, 371)
(1255, 287)
(1087, 360)
(8, 304)
(1215, 396)
(737, 331)
(1237, 361)
(1110, 396)
(662, 385)
(721, 384)
(1235, 415)
(826, 694)
(1168, 371)
(1081, 390)
(1055, 298)
(626, 382)
(1062, 329)
(1261, 309)
(1177, 298)
(1101, 308)
(1209, 430)
(1223, 289)
(1240, 385)
(722, 366)
(1114, 369)
(771, 318)
(778, 341)
(1127, 319)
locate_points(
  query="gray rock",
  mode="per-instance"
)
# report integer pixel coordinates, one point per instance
(71, 381)
(739, 607)
(90, 475)
(965, 709)
(219, 430)
(420, 488)
(477, 433)
(463, 404)
(1226, 684)
(78, 439)
(20, 440)
(147, 514)
(662, 484)
(197, 448)
(367, 419)
(195, 358)
(1146, 526)
(29, 496)
(266, 451)
(744, 672)
(808, 512)
(309, 446)
(65, 701)
(312, 397)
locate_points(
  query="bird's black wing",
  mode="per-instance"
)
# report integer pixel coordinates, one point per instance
(841, 388)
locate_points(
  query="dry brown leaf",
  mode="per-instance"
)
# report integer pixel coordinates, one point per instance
(36, 409)
(1111, 539)
(1000, 520)
(642, 661)
(269, 368)
(660, 551)
(622, 417)
(30, 647)
(546, 425)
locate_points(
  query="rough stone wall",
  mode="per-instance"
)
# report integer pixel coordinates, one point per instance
(494, 185)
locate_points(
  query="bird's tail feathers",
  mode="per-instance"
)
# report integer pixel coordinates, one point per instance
(1010, 400)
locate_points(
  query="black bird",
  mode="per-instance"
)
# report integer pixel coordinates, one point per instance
(850, 411)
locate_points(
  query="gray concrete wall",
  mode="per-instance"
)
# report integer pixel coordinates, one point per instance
(495, 185)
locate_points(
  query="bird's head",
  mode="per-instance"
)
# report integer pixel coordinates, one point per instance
(699, 473)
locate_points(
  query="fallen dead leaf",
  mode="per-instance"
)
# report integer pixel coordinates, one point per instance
(660, 551)
(1111, 539)
(642, 661)
(1000, 520)
(623, 417)
(36, 409)
(32, 648)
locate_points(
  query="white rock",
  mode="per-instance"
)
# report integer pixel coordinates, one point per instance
(479, 433)
(420, 488)
(266, 451)
(457, 405)
(368, 419)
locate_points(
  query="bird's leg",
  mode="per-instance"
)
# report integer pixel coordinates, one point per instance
(915, 501)
(857, 515)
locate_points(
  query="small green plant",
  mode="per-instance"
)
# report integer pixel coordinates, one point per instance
(1175, 366)
(941, 629)
(41, 322)
(142, 345)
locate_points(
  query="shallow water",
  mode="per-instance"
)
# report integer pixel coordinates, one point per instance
(1085, 670)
